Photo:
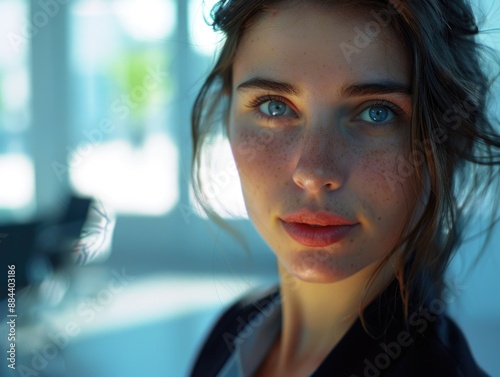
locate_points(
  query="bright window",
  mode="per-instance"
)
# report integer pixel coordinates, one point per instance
(16, 164)
(122, 151)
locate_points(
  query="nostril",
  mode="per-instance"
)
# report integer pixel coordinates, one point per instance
(319, 165)
(314, 180)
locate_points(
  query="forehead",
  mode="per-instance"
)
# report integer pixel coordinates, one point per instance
(320, 47)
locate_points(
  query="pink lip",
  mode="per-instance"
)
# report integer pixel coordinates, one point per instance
(329, 228)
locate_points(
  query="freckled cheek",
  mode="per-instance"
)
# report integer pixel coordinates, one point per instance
(373, 175)
(387, 196)
(257, 155)
(261, 151)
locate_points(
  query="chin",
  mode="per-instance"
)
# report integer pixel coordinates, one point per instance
(320, 266)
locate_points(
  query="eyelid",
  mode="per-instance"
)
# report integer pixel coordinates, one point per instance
(269, 97)
(382, 103)
(256, 102)
(399, 113)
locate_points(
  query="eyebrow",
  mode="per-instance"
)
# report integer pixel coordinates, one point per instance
(268, 84)
(347, 90)
(373, 88)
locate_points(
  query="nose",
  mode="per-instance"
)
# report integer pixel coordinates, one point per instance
(319, 165)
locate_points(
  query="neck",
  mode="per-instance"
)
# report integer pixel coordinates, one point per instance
(316, 316)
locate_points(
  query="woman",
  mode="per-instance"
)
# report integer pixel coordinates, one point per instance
(354, 126)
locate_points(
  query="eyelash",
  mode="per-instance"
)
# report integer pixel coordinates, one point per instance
(383, 103)
(255, 104)
(398, 112)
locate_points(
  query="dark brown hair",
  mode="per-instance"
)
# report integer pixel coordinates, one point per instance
(455, 151)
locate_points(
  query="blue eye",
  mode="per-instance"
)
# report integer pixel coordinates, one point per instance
(274, 109)
(377, 114)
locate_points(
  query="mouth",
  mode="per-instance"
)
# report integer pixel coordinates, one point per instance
(318, 229)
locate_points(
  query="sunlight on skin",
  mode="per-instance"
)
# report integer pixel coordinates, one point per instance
(324, 153)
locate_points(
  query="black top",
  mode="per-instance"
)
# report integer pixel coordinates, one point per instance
(428, 344)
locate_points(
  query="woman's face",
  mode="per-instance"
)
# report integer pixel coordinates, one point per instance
(319, 129)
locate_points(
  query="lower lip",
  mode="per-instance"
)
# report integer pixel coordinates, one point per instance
(317, 236)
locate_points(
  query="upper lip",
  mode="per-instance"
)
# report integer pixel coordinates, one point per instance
(316, 218)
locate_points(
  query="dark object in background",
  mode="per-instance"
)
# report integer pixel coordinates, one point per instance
(41, 246)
